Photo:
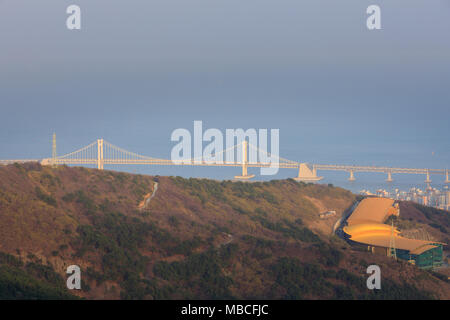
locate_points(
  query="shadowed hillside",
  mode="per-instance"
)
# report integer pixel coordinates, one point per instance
(426, 221)
(196, 238)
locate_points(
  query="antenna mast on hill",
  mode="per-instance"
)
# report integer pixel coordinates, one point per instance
(54, 150)
(392, 251)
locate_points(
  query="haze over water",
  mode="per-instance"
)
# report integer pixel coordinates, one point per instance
(339, 94)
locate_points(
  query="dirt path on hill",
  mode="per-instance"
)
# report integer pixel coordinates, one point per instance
(147, 200)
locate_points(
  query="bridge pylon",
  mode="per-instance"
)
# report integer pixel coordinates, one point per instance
(100, 159)
(446, 177)
(306, 174)
(245, 175)
(352, 176)
(389, 178)
(54, 155)
(428, 180)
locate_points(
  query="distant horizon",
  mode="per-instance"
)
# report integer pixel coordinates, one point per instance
(338, 93)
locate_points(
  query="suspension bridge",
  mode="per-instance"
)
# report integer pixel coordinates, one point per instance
(100, 153)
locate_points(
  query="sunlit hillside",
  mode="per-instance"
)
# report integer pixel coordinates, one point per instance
(151, 237)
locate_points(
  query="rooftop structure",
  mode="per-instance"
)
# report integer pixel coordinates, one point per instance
(373, 210)
(366, 227)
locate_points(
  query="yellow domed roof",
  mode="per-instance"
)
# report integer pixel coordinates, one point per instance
(365, 226)
(368, 229)
(374, 210)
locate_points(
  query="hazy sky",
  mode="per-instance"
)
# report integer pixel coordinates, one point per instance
(137, 70)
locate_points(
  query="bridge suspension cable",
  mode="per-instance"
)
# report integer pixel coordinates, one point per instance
(102, 153)
(261, 153)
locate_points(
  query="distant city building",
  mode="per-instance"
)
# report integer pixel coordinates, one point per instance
(430, 197)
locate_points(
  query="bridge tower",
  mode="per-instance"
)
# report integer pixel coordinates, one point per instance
(389, 178)
(245, 175)
(446, 176)
(352, 176)
(100, 154)
(54, 156)
(306, 174)
(428, 180)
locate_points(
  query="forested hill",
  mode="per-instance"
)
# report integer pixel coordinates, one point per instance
(195, 238)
